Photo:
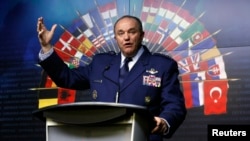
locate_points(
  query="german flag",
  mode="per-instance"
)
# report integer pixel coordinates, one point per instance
(47, 97)
(50, 94)
(47, 92)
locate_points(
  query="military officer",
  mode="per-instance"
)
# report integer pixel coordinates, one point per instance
(152, 79)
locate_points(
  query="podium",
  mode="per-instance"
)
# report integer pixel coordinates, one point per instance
(96, 121)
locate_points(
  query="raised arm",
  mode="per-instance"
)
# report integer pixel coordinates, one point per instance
(45, 35)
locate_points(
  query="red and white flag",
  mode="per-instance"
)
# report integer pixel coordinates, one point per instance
(215, 101)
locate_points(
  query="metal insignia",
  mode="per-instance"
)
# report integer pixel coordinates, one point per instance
(94, 94)
(152, 71)
(98, 81)
(147, 99)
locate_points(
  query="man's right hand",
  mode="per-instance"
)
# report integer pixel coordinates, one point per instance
(45, 35)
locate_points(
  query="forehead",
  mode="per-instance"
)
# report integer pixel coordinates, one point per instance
(126, 23)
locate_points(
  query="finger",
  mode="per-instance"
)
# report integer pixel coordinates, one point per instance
(158, 130)
(40, 33)
(53, 28)
(155, 130)
(40, 24)
(160, 127)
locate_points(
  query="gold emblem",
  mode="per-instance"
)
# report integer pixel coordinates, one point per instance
(147, 99)
(94, 94)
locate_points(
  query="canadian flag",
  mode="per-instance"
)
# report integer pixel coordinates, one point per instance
(215, 99)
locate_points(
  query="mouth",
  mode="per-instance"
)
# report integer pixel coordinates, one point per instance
(127, 44)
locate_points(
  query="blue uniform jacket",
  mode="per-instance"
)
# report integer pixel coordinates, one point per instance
(152, 82)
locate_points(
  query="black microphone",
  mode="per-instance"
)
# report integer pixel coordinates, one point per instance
(118, 92)
(106, 68)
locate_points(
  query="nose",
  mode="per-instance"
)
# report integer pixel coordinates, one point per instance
(126, 36)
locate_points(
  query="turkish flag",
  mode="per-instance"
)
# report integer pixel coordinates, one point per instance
(215, 100)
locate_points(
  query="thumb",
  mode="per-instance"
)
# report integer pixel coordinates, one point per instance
(53, 28)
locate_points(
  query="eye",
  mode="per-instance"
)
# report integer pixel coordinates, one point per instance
(133, 31)
(120, 33)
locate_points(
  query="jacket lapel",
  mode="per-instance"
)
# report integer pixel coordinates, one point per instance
(137, 70)
(112, 73)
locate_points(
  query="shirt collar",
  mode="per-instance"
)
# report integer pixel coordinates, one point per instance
(135, 58)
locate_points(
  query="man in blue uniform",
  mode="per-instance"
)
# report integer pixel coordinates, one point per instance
(152, 79)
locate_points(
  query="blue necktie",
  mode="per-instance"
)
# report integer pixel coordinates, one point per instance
(124, 70)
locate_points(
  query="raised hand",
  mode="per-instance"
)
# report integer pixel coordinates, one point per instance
(45, 35)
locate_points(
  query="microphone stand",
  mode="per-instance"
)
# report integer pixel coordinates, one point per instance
(117, 96)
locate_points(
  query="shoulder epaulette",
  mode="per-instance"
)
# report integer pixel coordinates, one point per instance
(107, 53)
(163, 55)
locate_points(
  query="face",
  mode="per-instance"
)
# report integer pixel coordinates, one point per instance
(128, 36)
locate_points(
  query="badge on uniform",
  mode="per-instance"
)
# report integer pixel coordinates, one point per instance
(94, 94)
(147, 99)
(152, 71)
(151, 79)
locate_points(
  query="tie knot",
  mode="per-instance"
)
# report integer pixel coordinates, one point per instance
(127, 59)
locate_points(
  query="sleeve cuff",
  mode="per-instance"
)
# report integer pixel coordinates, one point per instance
(42, 56)
(167, 131)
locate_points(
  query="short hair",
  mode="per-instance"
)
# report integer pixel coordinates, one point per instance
(131, 17)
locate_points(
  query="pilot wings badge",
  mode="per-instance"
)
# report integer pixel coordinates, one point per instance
(152, 71)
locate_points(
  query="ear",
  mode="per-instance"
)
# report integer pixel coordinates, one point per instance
(142, 35)
(115, 37)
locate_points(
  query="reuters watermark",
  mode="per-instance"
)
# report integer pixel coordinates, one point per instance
(239, 132)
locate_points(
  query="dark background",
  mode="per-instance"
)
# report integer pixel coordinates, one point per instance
(19, 48)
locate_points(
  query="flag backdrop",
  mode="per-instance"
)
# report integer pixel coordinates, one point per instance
(167, 27)
(208, 39)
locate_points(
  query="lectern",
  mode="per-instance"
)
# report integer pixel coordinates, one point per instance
(96, 121)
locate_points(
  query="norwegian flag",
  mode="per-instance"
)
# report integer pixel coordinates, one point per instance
(163, 30)
(169, 15)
